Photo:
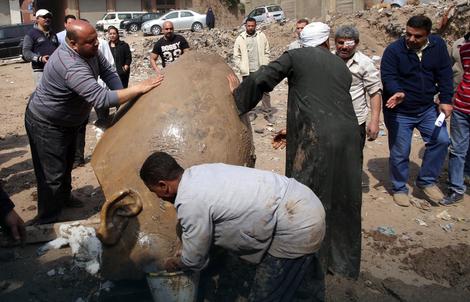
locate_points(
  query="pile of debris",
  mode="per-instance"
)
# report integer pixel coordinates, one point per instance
(377, 26)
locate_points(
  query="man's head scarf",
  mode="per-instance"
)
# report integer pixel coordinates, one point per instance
(314, 34)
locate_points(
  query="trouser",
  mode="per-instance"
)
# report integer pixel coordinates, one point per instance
(265, 101)
(400, 128)
(459, 137)
(37, 76)
(362, 128)
(52, 151)
(277, 279)
(102, 114)
(80, 150)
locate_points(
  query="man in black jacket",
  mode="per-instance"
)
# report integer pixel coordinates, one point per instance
(39, 43)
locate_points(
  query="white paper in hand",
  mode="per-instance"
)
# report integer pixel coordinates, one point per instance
(440, 120)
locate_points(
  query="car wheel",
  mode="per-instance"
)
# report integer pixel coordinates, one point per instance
(156, 30)
(196, 26)
(133, 27)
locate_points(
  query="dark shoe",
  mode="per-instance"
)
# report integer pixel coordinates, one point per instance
(451, 199)
(102, 124)
(78, 163)
(74, 202)
(42, 220)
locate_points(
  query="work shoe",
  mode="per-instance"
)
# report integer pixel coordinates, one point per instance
(402, 199)
(74, 202)
(432, 193)
(451, 198)
(78, 163)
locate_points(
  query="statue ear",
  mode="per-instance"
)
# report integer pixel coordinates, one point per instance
(115, 215)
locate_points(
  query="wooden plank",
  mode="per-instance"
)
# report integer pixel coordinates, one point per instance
(46, 232)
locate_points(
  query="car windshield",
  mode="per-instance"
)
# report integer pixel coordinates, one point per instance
(274, 8)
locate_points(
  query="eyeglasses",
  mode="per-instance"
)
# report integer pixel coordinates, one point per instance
(46, 17)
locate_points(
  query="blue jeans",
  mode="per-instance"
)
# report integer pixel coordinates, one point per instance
(459, 137)
(400, 131)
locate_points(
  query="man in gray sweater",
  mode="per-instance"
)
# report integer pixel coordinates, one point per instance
(60, 105)
(266, 218)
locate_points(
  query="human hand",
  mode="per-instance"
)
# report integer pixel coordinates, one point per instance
(446, 109)
(395, 99)
(125, 68)
(16, 225)
(172, 264)
(280, 139)
(233, 82)
(372, 130)
(149, 84)
(45, 58)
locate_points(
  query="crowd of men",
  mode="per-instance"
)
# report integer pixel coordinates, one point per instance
(331, 95)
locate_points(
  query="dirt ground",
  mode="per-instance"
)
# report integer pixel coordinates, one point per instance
(408, 254)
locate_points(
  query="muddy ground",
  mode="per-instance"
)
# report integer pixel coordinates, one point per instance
(409, 254)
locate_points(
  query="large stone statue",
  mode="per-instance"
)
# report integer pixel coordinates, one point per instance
(191, 116)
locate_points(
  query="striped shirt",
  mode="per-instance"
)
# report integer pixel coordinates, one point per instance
(462, 96)
(69, 88)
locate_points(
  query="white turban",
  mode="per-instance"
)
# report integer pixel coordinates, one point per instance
(314, 34)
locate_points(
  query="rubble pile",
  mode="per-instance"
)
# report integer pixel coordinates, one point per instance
(450, 19)
(377, 26)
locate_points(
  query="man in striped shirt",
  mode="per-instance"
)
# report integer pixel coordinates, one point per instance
(60, 105)
(459, 131)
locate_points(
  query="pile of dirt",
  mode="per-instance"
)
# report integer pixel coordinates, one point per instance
(450, 20)
(449, 264)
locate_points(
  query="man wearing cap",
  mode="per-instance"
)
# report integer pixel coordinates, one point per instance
(323, 138)
(39, 43)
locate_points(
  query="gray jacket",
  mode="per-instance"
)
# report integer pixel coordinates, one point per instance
(69, 88)
(247, 211)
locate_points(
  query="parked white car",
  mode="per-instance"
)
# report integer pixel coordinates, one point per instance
(115, 19)
(182, 20)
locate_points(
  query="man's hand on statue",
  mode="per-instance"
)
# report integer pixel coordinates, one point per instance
(233, 82)
(280, 139)
(172, 264)
(148, 84)
(446, 109)
(395, 99)
(372, 130)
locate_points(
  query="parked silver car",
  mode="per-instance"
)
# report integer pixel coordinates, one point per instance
(264, 13)
(182, 20)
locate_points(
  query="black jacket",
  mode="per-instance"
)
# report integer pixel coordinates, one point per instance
(122, 56)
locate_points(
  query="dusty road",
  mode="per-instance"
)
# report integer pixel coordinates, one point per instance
(423, 257)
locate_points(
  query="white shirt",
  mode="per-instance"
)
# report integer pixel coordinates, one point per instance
(365, 82)
(247, 211)
(61, 36)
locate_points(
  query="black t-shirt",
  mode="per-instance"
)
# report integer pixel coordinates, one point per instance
(170, 50)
